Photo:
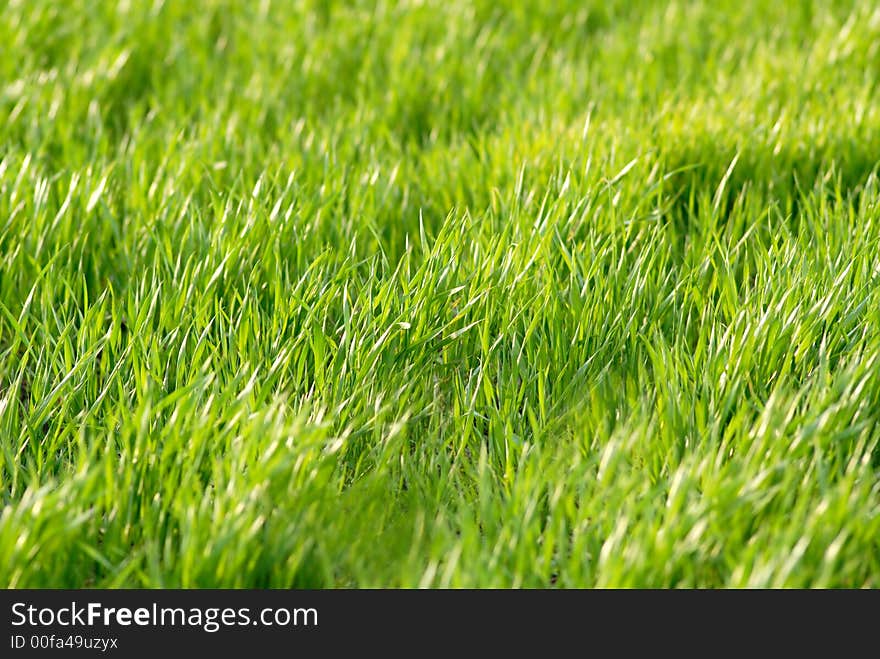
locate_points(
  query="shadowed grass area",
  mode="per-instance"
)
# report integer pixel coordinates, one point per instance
(398, 293)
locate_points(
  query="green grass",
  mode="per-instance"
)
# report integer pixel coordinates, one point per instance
(439, 293)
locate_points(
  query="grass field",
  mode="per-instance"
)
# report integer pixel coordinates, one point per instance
(439, 293)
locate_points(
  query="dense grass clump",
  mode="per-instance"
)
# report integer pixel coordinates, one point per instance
(439, 293)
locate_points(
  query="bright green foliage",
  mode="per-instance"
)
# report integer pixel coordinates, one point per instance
(439, 293)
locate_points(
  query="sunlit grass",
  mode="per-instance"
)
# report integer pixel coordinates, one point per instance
(439, 294)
